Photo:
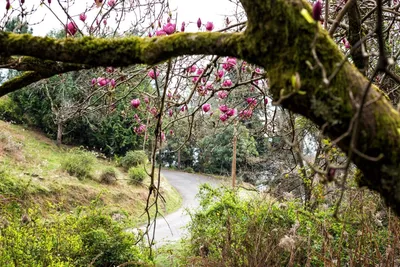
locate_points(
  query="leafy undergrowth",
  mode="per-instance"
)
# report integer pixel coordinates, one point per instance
(34, 174)
(230, 229)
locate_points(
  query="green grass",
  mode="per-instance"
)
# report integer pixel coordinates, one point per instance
(32, 164)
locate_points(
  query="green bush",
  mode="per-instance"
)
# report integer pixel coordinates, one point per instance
(108, 176)
(137, 174)
(89, 238)
(243, 228)
(133, 159)
(78, 163)
(189, 169)
(9, 110)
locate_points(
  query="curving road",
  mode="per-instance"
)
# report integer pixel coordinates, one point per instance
(171, 228)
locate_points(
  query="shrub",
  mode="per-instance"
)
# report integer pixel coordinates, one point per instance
(89, 238)
(9, 110)
(78, 163)
(238, 228)
(137, 174)
(189, 169)
(133, 159)
(108, 176)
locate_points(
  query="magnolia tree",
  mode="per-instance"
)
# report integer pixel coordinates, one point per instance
(324, 61)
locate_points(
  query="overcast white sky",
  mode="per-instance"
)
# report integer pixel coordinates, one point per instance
(188, 10)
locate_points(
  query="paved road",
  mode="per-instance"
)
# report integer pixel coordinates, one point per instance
(188, 186)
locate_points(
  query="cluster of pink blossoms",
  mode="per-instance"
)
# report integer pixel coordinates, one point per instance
(226, 112)
(101, 81)
(140, 130)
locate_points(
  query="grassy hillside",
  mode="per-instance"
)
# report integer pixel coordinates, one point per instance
(30, 166)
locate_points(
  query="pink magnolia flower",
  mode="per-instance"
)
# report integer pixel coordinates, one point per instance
(136, 117)
(317, 10)
(110, 69)
(105, 22)
(154, 111)
(209, 86)
(206, 107)
(49, 1)
(257, 70)
(71, 28)
(201, 90)
(111, 3)
(245, 114)
(113, 83)
(101, 81)
(223, 117)
(199, 23)
(169, 28)
(146, 100)
(266, 101)
(191, 69)
(183, 108)
(163, 138)
(346, 43)
(199, 71)
(82, 17)
(209, 26)
(183, 27)
(230, 112)
(170, 112)
(150, 34)
(251, 101)
(141, 129)
(227, 83)
(222, 94)
(153, 74)
(171, 132)
(220, 74)
(223, 108)
(195, 79)
(160, 33)
(229, 63)
(135, 103)
(94, 81)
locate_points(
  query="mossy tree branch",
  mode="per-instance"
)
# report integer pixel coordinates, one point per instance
(279, 38)
(34, 70)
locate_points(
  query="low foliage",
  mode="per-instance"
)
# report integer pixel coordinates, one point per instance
(189, 169)
(137, 175)
(133, 159)
(9, 110)
(79, 163)
(87, 238)
(236, 228)
(108, 176)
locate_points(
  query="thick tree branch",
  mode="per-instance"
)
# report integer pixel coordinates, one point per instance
(35, 70)
(120, 52)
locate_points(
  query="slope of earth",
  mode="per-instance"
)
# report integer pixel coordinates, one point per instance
(30, 169)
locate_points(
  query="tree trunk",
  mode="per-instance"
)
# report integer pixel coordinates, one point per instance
(234, 143)
(59, 133)
(179, 159)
